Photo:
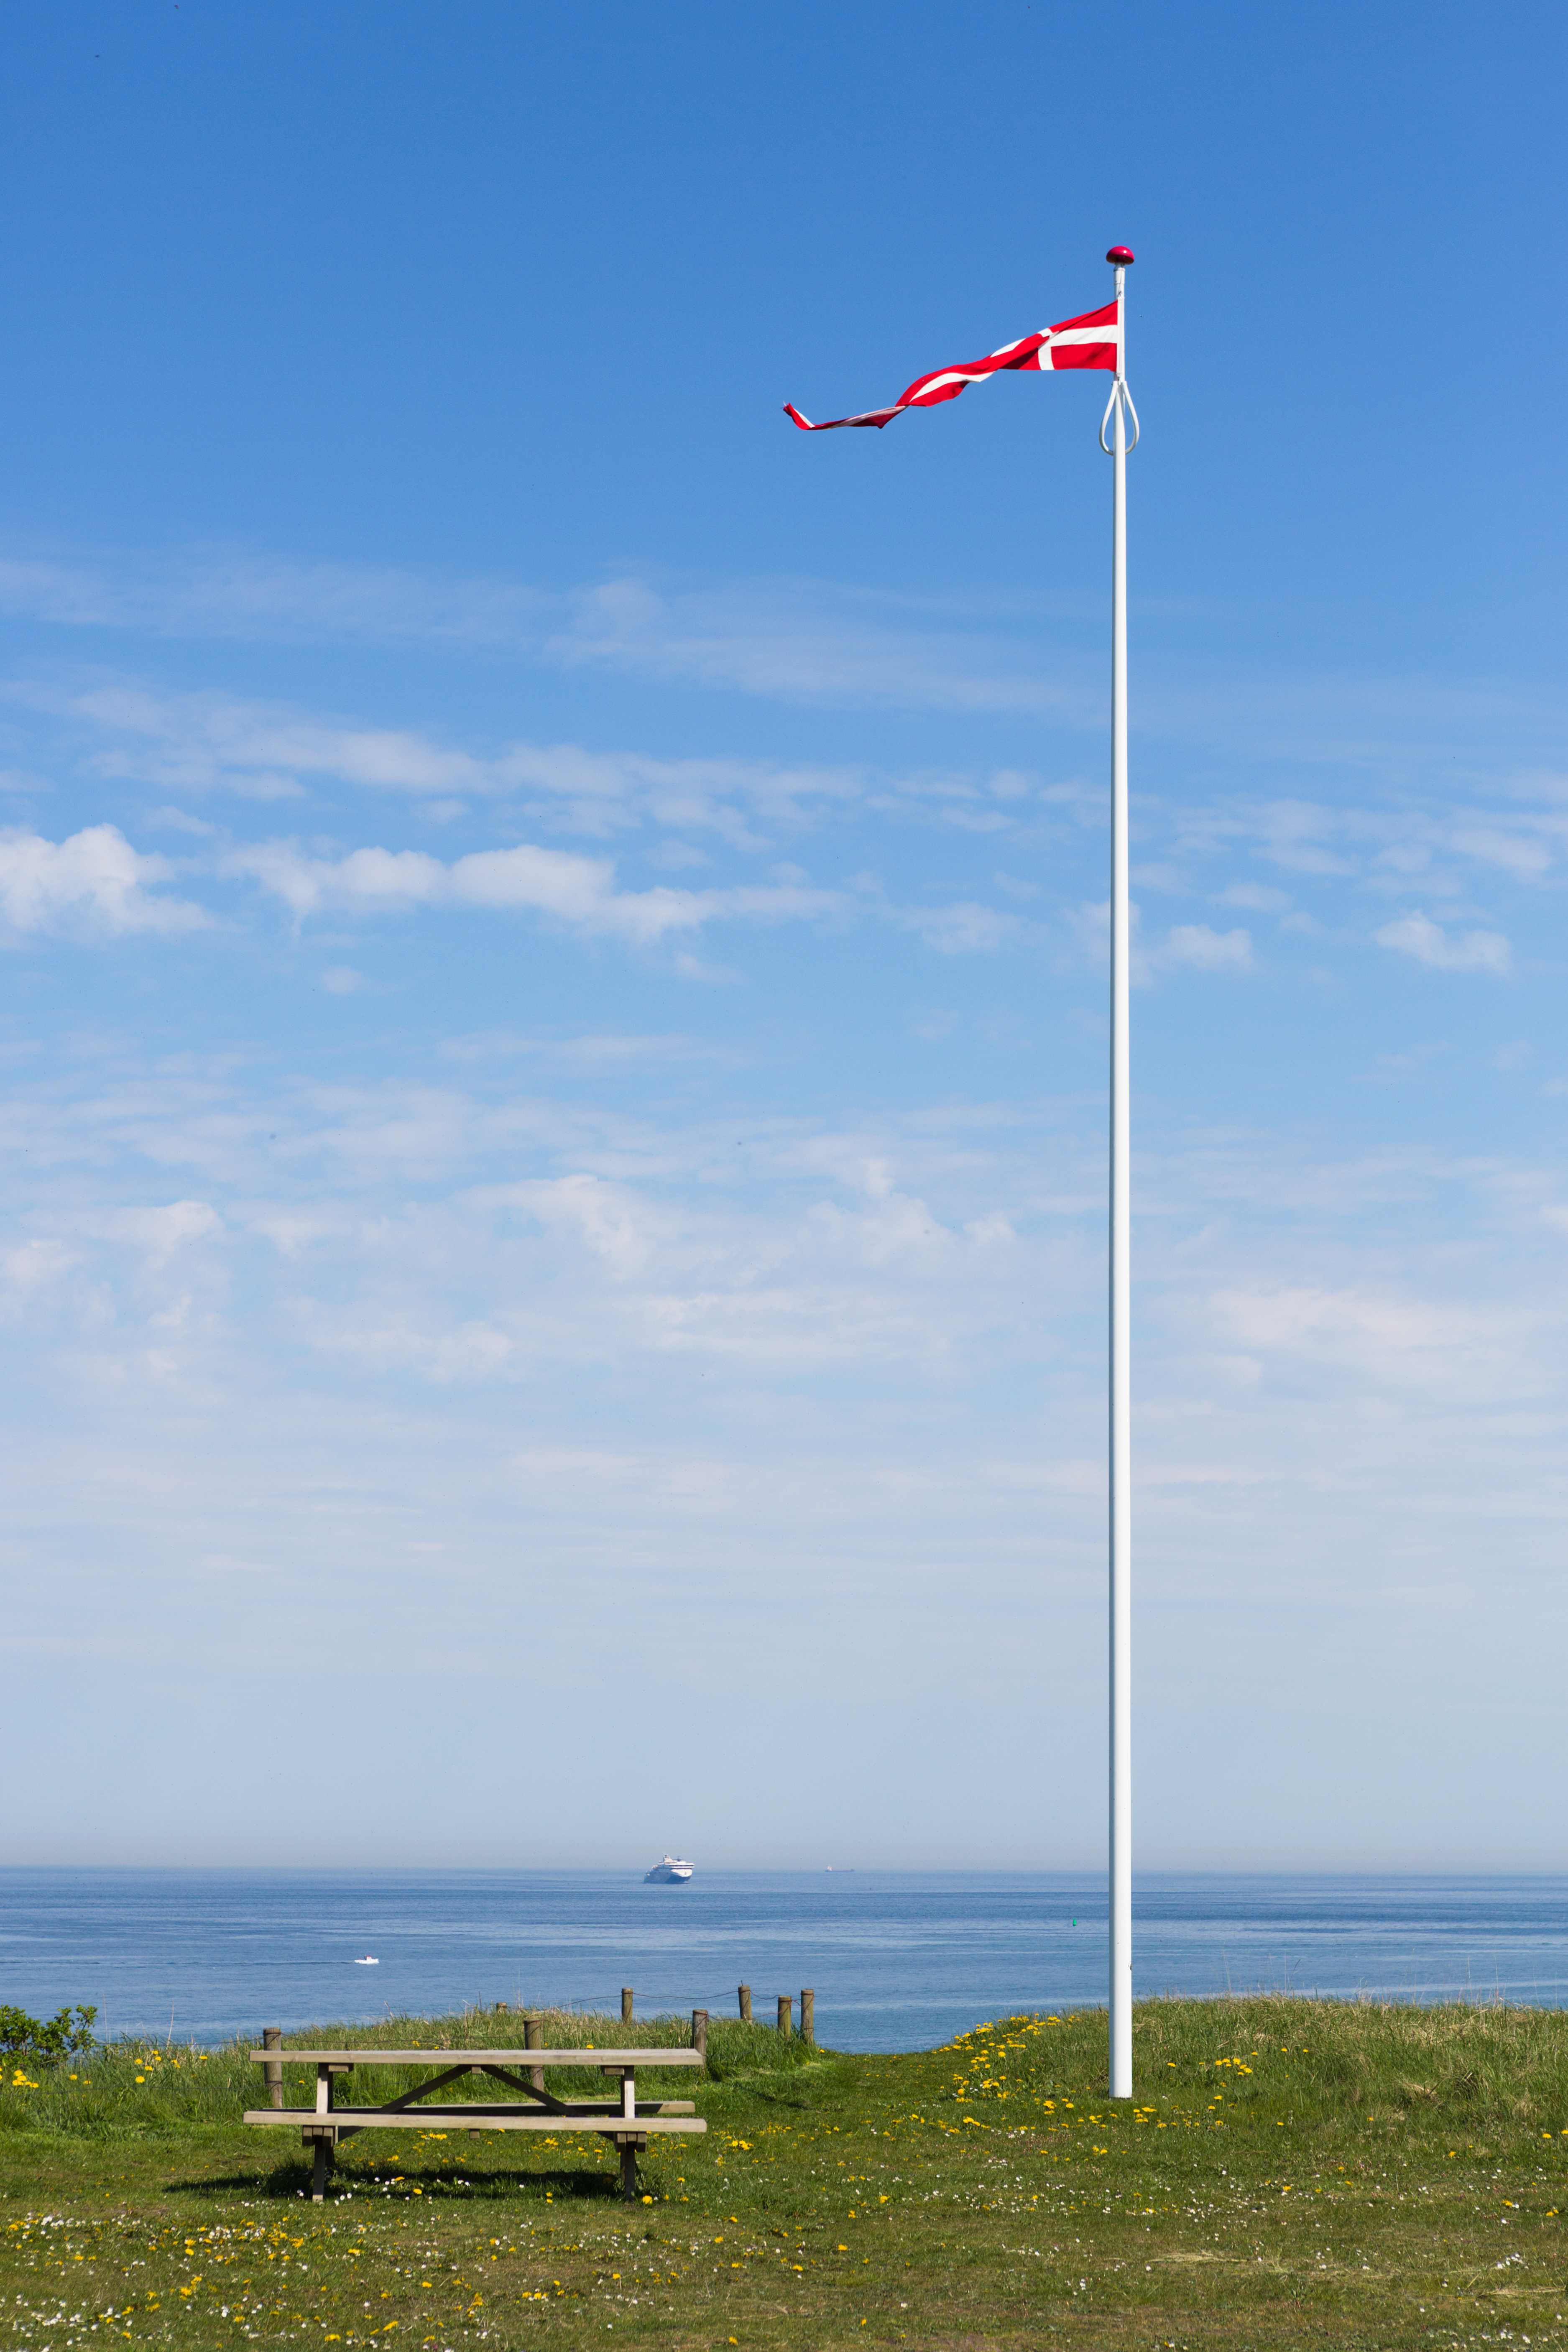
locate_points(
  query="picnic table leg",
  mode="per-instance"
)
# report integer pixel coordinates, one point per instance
(628, 2172)
(325, 2086)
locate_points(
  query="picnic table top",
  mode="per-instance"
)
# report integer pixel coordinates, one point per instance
(650, 2055)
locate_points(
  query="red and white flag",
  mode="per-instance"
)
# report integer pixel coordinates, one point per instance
(1094, 340)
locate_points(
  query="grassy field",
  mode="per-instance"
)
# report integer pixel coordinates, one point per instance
(1296, 2173)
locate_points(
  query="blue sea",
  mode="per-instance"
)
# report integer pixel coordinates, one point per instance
(897, 1960)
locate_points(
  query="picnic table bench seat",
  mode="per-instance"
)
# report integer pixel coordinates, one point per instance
(626, 2119)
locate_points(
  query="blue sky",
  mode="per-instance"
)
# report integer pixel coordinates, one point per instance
(554, 929)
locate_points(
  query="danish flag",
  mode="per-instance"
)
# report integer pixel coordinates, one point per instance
(1093, 341)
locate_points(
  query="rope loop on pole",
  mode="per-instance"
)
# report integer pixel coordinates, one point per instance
(1119, 392)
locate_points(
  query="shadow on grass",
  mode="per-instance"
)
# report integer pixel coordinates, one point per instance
(807, 2098)
(240, 2184)
(290, 2180)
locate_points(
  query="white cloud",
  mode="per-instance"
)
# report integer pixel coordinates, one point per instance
(821, 640)
(1378, 1333)
(94, 881)
(160, 1232)
(588, 1050)
(813, 640)
(617, 1227)
(198, 743)
(799, 639)
(698, 807)
(1256, 897)
(460, 1355)
(199, 594)
(576, 891)
(1194, 947)
(1295, 834)
(963, 929)
(35, 1265)
(1418, 935)
(1525, 855)
(1188, 947)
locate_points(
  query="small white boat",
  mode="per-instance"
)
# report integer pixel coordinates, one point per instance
(369, 1961)
(670, 1871)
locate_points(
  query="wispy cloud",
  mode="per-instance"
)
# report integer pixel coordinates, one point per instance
(963, 929)
(1194, 947)
(580, 892)
(209, 743)
(689, 820)
(1186, 947)
(815, 641)
(792, 639)
(93, 885)
(197, 744)
(207, 594)
(1418, 935)
(1383, 1337)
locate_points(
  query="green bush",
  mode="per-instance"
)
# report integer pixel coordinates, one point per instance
(63, 2035)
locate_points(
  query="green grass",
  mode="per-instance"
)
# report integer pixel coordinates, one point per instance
(1296, 2173)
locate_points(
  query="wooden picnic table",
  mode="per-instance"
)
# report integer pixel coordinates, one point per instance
(627, 2120)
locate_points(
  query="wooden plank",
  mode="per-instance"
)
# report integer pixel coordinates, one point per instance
(608, 2107)
(680, 2055)
(436, 2083)
(570, 2106)
(465, 2119)
(532, 2089)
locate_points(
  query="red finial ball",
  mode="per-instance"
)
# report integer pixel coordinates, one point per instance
(1121, 254)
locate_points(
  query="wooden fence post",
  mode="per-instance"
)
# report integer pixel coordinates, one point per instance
(271, 2035)
(700, 2032)
(533, 2039)
(626, 2004)
(808, 2016)
(745, 1991)
(785, 2005)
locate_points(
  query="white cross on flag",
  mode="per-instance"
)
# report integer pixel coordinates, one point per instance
(1093, 341)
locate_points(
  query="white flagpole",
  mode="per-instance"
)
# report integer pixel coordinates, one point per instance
(1121, 1856)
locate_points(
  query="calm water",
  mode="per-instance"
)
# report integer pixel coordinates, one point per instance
(898, 1961)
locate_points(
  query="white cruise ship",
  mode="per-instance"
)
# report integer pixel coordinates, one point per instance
(670, 1871)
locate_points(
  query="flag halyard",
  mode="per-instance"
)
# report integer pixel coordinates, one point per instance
(1093, 340)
